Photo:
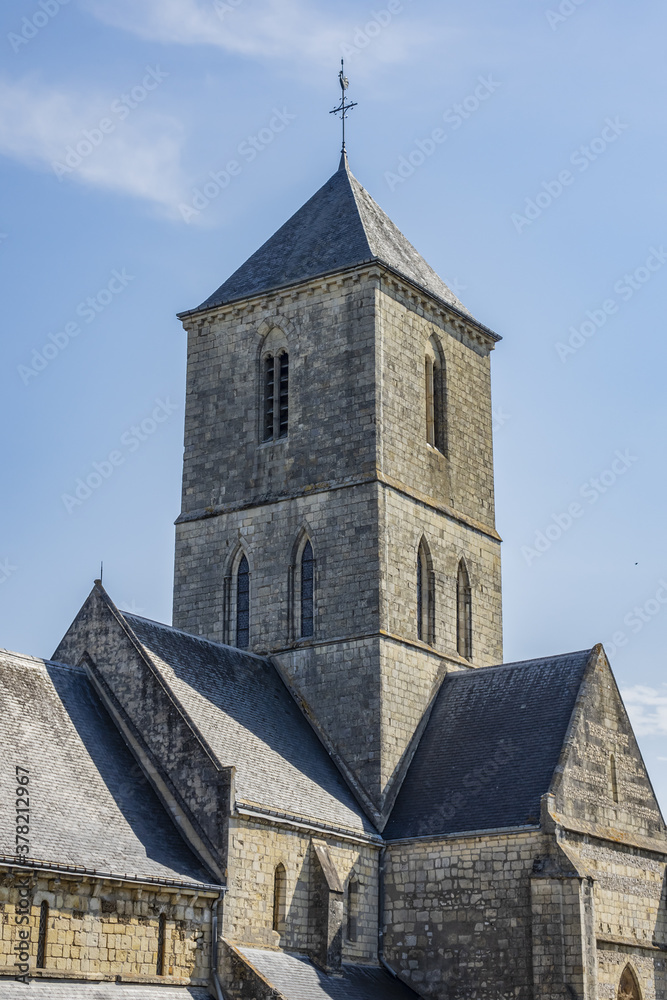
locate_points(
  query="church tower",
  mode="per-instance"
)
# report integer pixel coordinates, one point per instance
(338, 498)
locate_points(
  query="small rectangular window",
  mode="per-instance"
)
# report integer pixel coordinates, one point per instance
(43, 931)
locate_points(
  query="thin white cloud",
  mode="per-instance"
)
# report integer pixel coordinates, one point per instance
(647, 708)
(285, 29)
(139, 156)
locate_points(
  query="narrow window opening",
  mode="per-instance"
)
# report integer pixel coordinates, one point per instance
(463, 613)
(614, 777)
(279, 899)
(352, 910)
(269, 395)
(284, 395)
(161, 944)
(439, 432)
(435, 396)
(430, 401)
(243, 604)
(425, 597)
(307, 591)
(42, 938)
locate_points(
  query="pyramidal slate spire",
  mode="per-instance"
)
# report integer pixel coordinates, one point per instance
(339, 227)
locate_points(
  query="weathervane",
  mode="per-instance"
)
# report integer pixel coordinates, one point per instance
(345, 106)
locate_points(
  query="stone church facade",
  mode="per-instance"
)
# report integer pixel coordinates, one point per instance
(321, 780)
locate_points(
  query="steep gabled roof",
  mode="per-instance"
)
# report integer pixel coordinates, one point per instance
(339, 227)
(91, 806)
(489, 751)
(249, 720)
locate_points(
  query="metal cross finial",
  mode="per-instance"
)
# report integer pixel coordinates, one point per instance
(345, 106)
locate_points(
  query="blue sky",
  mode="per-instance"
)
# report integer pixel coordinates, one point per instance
(543, 206)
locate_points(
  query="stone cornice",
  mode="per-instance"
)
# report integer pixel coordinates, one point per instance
(417, 297)
(346, 482)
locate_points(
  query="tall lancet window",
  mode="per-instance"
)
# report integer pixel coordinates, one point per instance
(161, 945)
(352, 909)
(279, 899)
(463, 613)
(307, 591)
(613, 775)
(435, 395)
(275, 371)
(243, 604)
(425, 596)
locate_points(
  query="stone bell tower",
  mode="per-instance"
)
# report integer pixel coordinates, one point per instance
(338, 499)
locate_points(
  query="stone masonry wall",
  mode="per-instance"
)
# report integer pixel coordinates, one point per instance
(630, 890)
(464, 477)
(458, 915)
(342, 526)
(256, 848)
(104, 930)
(588, 793)
(403, 523)
(329, 331)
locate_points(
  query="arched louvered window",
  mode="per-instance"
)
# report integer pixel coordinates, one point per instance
(425, 596)
(42, 935)
(463, 613)
(243, 604)
(269, 395)
(161, 945)
(629, 986)
(283, 395)
(352, 922)
(279, 899)
(276, 396)
(435, 394)
(613, 775)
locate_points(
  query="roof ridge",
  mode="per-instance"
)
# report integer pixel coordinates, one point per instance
(537, 661)
(189, 635)
(40, 660)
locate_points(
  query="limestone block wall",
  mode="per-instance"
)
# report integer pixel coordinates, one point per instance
(342, 527)
(563, 940)
(403, 524)
(463, 478)
(256, 849)
(649, 968)
(458, 915)
(604, 786)
(171, 745)
(630, 890)
(368, 696)
(328, 330)
(106, 930)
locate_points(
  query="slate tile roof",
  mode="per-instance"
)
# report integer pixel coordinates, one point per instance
(490, 748)
(297, 978)
(339, 227)
(90, 805)
(249, 720)
(58, 989)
